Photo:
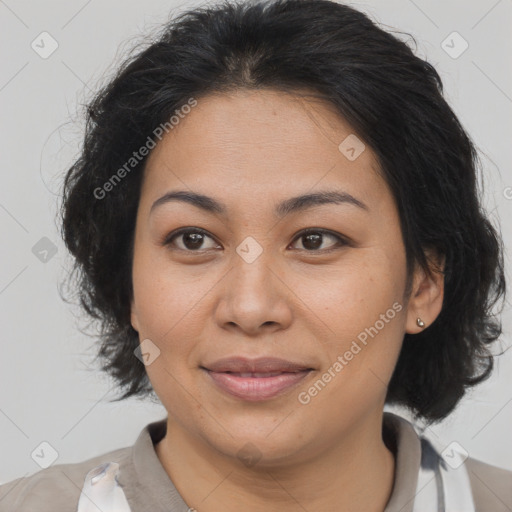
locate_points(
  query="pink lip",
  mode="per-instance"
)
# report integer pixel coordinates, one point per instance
(256, 379)
(259, 365)
(256, 388)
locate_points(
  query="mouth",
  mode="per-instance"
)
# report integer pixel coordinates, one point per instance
(257, 379)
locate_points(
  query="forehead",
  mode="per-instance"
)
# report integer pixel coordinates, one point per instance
(253, 144)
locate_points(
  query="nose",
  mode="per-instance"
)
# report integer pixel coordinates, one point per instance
(254, 297)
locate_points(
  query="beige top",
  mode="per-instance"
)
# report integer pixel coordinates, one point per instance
(148, 487)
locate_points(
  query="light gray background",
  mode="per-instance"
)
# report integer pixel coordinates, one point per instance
(47, 393)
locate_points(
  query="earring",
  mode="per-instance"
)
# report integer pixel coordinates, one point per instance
(420, 322)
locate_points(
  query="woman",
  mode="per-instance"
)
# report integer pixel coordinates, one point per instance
(275, 219)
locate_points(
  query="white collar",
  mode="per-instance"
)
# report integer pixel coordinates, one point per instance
(443, 483)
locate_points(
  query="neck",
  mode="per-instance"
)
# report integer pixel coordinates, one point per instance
(355, 475)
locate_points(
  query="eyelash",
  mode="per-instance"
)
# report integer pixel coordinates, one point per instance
(341, 241)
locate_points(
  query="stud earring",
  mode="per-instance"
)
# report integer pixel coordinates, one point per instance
(420, 322)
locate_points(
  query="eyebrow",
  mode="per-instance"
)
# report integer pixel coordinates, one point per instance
(288, 206)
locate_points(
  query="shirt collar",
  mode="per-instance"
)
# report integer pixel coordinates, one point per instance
(148, 487)
(407, 449)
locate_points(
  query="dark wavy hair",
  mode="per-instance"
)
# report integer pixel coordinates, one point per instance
(393, 101)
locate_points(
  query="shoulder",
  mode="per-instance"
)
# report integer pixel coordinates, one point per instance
(57, 488)
(491, 486)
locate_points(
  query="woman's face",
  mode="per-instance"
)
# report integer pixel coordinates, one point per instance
(245, 283)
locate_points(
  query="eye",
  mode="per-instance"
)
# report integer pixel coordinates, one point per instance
(313, 239)
(192, 239)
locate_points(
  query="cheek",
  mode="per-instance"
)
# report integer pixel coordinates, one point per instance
(165, 295)
(360, 310)
(172, 311)
(350, 296)
(168, 315)
(360, 353)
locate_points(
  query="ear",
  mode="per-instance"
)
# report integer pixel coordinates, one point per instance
(426, 300)
(134, 318)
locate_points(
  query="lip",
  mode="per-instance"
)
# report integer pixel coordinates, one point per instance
(258, 365)
(256, 379)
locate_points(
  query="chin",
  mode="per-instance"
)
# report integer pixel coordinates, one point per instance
(266, 445)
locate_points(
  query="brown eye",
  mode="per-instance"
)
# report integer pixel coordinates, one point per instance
(195, 240)
(192, 239)
(313, 239)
